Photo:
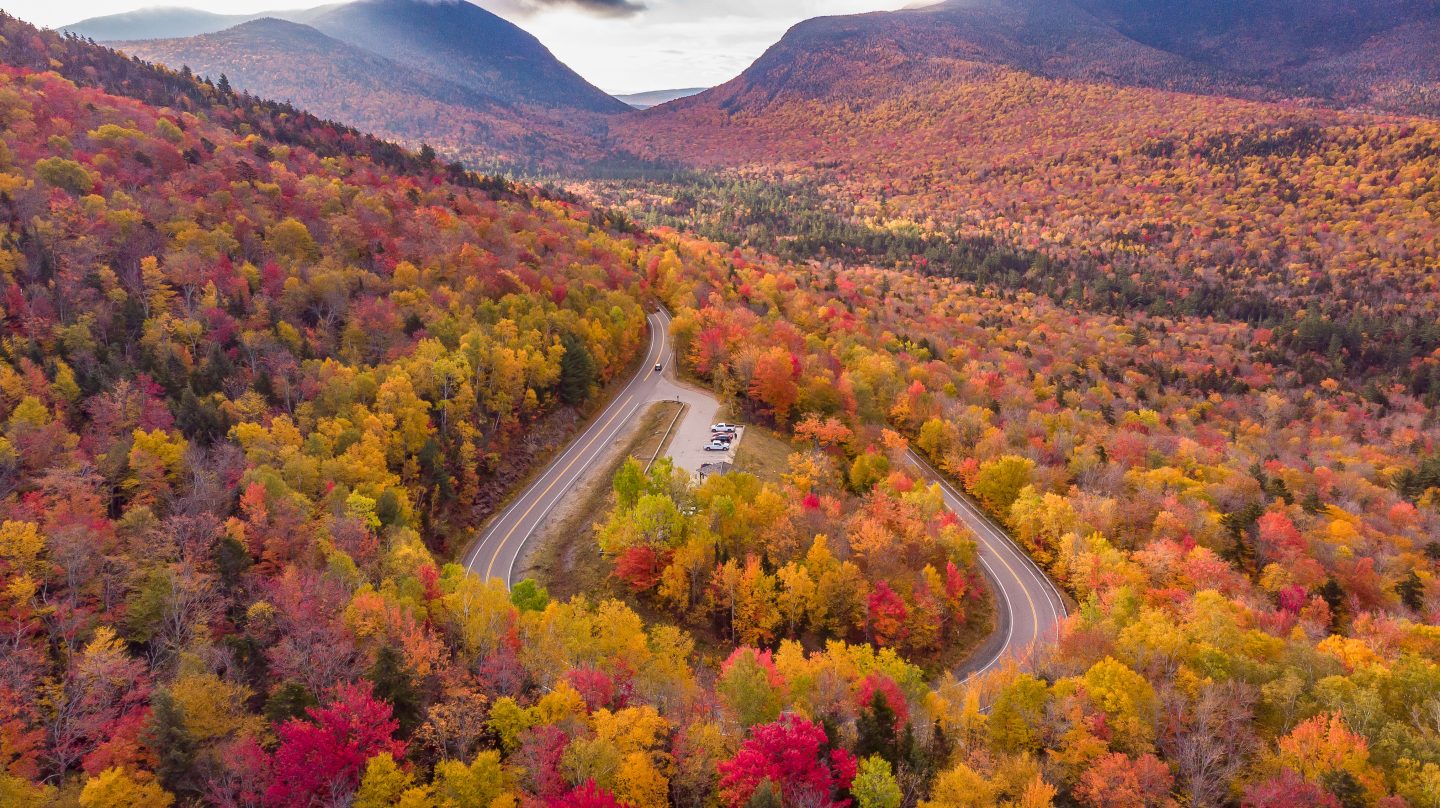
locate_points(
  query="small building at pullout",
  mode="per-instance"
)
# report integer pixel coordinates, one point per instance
(714, 468)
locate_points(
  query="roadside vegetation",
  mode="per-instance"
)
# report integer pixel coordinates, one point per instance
(260, 373)
(565, 559)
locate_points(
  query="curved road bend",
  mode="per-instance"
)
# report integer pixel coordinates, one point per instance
(1028, 606)
(498, 548)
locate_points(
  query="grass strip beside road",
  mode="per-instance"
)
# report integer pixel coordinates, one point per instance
(566, 559)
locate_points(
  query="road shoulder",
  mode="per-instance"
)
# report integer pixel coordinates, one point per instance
(562, 553)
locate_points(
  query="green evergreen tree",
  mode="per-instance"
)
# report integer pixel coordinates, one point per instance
(231, 560)
(1334, 596)
(290, 700)
(174, 747)
(1411, 591)
(875, 728)
(577, 371)
(393, 683)
(1346, 789)
(387, 507)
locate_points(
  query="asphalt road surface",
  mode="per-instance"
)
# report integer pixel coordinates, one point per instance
(495, 553)
(1028, 606)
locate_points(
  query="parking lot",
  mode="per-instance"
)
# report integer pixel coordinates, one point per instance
(692, 434)
(721, 445)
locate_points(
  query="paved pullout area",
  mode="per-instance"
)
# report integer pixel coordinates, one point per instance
(1029, 608)
(687, 446)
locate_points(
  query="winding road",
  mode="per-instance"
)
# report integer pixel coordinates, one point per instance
(1028, 606)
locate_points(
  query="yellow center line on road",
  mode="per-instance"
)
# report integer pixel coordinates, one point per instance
(1034, 613)
(490, 567)
(1051, 595)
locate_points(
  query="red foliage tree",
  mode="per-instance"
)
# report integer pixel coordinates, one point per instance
(1277, 538)
(242, 777)
(122, 745)
(887, 615)
(586, 795)
(540, 751)
(793, 754)
(20, 739)
(595, 686)
(1288, 790)
(1120, 781)
(324, 757)
(640, 567)
(774, 382)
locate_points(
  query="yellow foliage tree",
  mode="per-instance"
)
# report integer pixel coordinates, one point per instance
(118, 788)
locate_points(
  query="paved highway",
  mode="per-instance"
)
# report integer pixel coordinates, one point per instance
(1028, 606)
(495, 553)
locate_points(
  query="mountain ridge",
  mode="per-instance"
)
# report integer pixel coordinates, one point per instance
(466, 44)
(157, 22)
(396, 67)
(1387, 67)
(285, 60)
(654, 98)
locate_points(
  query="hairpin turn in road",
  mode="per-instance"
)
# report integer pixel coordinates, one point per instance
(1029, 607)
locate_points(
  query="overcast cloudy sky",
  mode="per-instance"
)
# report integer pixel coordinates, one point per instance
(619, 45)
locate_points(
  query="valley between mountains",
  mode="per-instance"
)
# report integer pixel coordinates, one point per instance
(1053, 409)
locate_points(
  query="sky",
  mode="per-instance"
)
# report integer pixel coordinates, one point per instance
(621, 46)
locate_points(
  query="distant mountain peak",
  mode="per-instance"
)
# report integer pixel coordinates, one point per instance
(465, 44)
(652, 98)
(1349, 52)
(453, 39)
(157, 22)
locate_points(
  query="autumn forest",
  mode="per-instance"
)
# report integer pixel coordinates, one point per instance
(263, 377)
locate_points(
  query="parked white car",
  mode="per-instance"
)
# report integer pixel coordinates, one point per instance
(716, 446)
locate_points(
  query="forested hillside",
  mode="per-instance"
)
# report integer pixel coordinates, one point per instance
(1338, 53)
(232, 365)
(260, 374)
(1102, 197)
(1364, 53)
(286, 60)
(1254, 553)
